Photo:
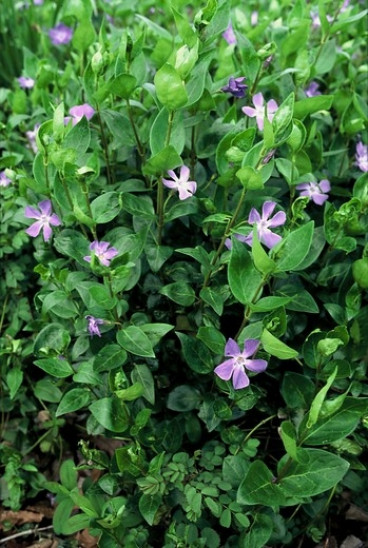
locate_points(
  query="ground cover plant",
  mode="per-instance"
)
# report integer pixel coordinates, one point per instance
(184, 254)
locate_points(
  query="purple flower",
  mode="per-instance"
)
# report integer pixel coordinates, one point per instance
(38, 2)
(31, 136)
(102, 252)
(4, 180)
(78, 112)
(312, 90)
(315, 191)
(316, 21)
(61, 34)
(254, 18)
(259, 111)
(236, 87)
(93, 324)
(264, 223)
(361, 156)
(229, 35)
(25, 82)
(185, 188)
(44, 219)
(239, 362)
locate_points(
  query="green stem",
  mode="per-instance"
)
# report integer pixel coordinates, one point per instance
(70, 201)
(88, 204)
(134, 128)
(230, 224)
(248, 311)
(104, 146)
(250, 434)
(37, 442)
(160, 186)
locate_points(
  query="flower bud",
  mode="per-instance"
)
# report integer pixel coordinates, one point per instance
(360, 272)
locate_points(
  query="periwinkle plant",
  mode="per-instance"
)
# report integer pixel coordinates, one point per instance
(188, 316)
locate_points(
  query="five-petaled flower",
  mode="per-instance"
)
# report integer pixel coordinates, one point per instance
(229, 35)
(78, 111)
(4, 180)
(239, 362)
(25, 82)
(185, 187)
(61, 34)
(93, 324)
(259, 110)
(264, 223)
(361, 156)
(236, 87)
(44, 217)
(312, 90)
(317, 192)
(102, 251)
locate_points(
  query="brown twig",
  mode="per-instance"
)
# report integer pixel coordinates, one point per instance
(25, 533)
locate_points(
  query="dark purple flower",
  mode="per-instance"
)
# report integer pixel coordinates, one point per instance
(93, 324)
(239, 363)
(229, 35)
(25, 82)
(185, 188)
(259, 111)
(312, 90)
(61, 34)
(4, 180)
(315, 191)
(361, 156)
(102, 252)
(44, 217)
(78, 111)
(236, 87)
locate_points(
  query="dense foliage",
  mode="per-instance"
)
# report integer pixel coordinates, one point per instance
(184, 215)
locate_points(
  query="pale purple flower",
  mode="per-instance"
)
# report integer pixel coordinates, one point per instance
(93, 324)
(254, 18)
(185, 187)
(259, 110)
(264, 223)
(103, 252)
(4, 180)
(61, 34)
(38, 2)
(236, 87)
(229, 35)
(345, 6)
(44, 217)
(239, 363)
(317, 192)
(316, 21)
(78, 111)
(361, 156)
(25, 82)
(31, 136)
(312, 90)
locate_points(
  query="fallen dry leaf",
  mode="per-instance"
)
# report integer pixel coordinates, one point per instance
(47, 543)
(352, 542)
(18, 518)
(356, 513)
(85, 540)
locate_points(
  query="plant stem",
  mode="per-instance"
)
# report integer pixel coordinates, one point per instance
(250, 434)
(70, 201)
(104, 146)
(88, 204)
(160, 186)
(248, 311)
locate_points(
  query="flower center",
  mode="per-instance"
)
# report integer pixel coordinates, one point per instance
(44, 219)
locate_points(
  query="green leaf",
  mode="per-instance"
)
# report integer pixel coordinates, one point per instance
(135, 341)
(56, 367)
(51, 337)
(46, 390)
(250, 178)
(244, 279)
(155, 331)
(213, 338)
(258, 487)
(277, 348)
(59, 303)
(73, 400)
(183, 398)
(78, 138)
(293, 249)
(68, 474)
(148, 506)
(316, 472)
(142, 374)
(267, 304)
(263, 263)
(130, 394)
(105, 207)
(234, 469)
(179, 292)
(159, 130)
(186, 33)
(319, 399)
(282, 120)
(215, 297)
(14, 379)
(62, 514)
(297, 390)
(141, 206)
(288, 436)
(196, 354)
(109, 357)
(311, 105)
(327, 57)
(84, 35)
(111, 413)
(259, 532)
(167, 158)
(170, 88)
(123, 85)
(157, 255)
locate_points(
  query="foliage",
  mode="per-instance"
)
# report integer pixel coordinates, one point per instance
(113, 326)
